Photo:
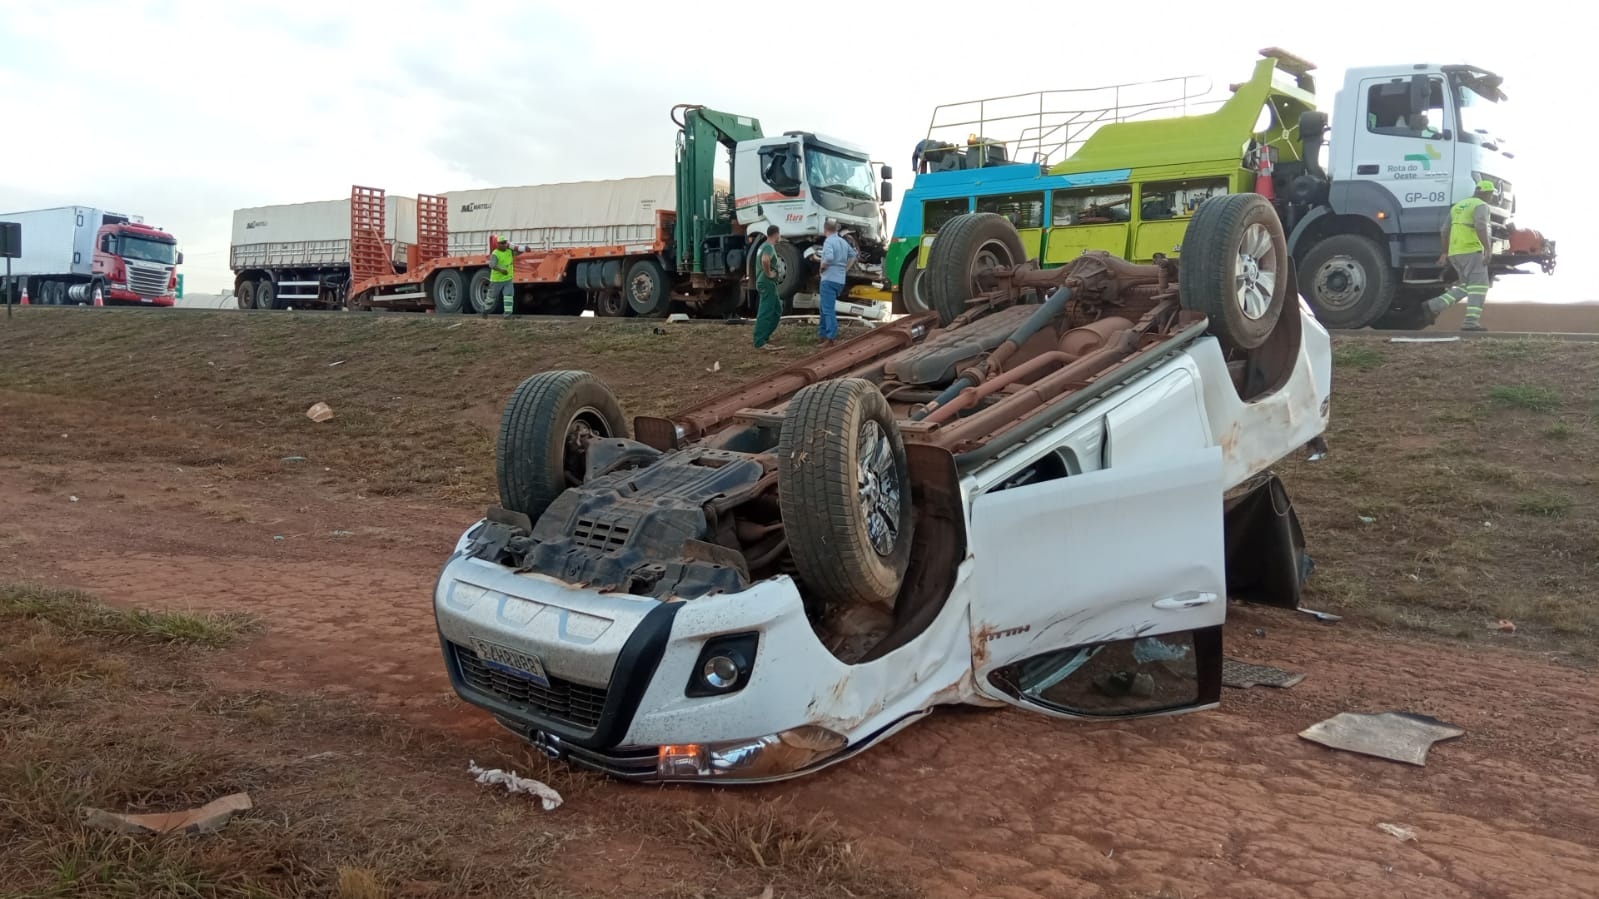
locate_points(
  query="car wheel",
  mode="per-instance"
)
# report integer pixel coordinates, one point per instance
(845, 493)
(1347, 282)
(544, 435)
(967, 246)
(449, 291)
(1234, 268)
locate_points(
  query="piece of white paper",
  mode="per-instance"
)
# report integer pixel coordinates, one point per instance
(515, 783)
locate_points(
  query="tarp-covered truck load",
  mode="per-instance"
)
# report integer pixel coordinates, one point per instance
(311, 234)
(619, 212)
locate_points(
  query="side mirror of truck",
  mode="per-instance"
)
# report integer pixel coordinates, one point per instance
(888, 173)
(180, 258)
(885, 192)
(1420, 94)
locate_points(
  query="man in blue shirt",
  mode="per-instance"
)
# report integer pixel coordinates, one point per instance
(837, 257)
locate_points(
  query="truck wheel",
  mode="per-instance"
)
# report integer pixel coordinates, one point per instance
(477, 290)
(844, 489)
(449, 292)
(790, 272)
(266, 295)
(967, 246)
(1234, 268)
(610, 304)
(544, 436)
(244, 294)
(645, 288)
(1346, 281)
(912, 297)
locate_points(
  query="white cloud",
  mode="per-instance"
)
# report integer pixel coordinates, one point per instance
(188, 110)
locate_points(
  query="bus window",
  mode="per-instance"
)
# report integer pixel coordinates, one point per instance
(1096, 206)
(936, 212)
(1024, 210)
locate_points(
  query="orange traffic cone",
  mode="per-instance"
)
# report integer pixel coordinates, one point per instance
(1265, 157)
(99, 298)
(25, 294)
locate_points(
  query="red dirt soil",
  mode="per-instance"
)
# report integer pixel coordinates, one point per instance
(968, 803)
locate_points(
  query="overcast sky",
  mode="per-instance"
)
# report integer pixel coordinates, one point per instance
(184, 111)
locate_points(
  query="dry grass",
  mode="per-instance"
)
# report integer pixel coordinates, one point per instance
(1477, 473)
(101, 709)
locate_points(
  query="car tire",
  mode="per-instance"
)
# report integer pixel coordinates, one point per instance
(539, 451)
(1234, 268)
(966, 246)
(449, 292)
(847, 547)
(646, 289)
(1347, 282)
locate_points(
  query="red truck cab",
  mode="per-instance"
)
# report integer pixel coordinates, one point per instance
(137, 263)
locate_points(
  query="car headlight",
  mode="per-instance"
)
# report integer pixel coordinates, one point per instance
(761, 757)
(723, 666)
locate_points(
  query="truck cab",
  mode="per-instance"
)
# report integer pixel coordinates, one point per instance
(136, 263)
(799, 180)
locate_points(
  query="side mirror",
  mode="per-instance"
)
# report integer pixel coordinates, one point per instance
(885, 192)
(888, 173)
(1420, 94)
(180, 258)
(105, 244)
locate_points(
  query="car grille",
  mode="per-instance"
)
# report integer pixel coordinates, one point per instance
(562, 700)
(148, 281)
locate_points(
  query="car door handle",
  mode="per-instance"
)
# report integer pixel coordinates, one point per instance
(1186, 600)
(1365, 170)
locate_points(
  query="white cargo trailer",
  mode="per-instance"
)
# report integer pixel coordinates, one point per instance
(619, 212)
(298, 254)
(72, 254)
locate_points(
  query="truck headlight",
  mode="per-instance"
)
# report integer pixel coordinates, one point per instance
(723, 666)
(760, 757)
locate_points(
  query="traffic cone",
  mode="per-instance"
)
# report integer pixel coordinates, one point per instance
(25, 294)
(1264, 159)
(99, 299)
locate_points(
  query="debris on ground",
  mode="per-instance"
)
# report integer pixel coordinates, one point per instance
(320, 412)
(1505, 625)
(207, 818)
(515, 783)
(1424, 340)
(1398, 831)
(1243, 675)
(1397, 736)
(1322, 616)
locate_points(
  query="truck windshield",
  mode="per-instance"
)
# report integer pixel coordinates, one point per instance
(1479, 112)
(145, 250)
(835, 173)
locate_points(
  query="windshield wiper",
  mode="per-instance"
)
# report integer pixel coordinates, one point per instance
(844, 191)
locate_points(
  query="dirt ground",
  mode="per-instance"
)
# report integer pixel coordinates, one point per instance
(168, 465)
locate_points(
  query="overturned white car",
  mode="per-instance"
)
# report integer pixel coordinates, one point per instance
(1041, 494)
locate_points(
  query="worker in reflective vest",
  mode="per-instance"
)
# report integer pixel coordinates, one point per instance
(502, 263)
(1467, 247)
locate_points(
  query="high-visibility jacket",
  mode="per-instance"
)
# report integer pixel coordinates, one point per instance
(1463, 237)
(504, 259)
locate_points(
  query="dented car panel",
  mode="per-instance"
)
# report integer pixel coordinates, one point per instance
(1068, 468)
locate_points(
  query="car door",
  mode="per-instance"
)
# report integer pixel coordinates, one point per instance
(1102, 593)
(1403, 146)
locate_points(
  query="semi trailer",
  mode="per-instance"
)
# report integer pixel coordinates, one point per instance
(298, 254)
(1361, 195)
(639, 246)
(81, 255)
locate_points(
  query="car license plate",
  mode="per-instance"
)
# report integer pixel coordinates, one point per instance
(511, 661)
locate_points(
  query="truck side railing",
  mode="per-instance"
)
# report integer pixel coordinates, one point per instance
(1044, 126)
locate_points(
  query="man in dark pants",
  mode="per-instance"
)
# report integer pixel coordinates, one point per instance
(771, 307)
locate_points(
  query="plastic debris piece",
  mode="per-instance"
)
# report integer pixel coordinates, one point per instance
(294, 458)
(1398, 831)
(1243, 675)
(1506, 625)
(205, 819)
(1367, 519)
(1322, 616)
(320, 412)
(515, 783)
(1424, 340)
(1397, 736)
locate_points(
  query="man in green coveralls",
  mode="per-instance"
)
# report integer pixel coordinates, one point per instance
(502, 262)
(771, 309)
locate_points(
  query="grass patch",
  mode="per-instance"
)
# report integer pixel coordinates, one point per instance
(1545, 504)
(772, 836)
(1559, 431)
(1357, 356)
(1525, 396)
(1518, 350)
(78, 613)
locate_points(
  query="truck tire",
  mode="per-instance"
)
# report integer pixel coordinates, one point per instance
(967, 245)
(449, 292)
(1346, 281)
(790, 273)
(645, 288)
(610, 304)
(543, 434)
(266, 294)
(1234, 268)
(477, 290)
(844, 490)
(913, 299)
